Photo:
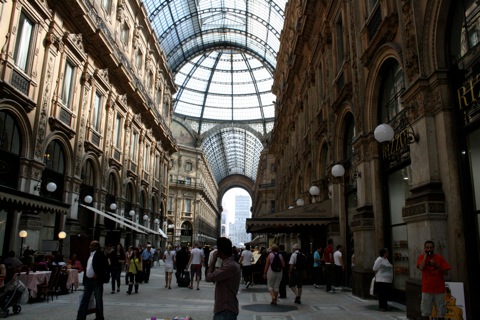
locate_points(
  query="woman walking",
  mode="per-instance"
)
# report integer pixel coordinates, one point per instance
(273, 272)
(169, 261)
(383, 279)
(134, 267)
(116, 259)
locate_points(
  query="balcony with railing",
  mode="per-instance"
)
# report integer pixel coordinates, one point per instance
(185, 183)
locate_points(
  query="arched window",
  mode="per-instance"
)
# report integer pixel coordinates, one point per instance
(349, 135)
(391, 89)
(109, 199)
(54, 160)
(10, 149)
(465, 30)
(88, 174)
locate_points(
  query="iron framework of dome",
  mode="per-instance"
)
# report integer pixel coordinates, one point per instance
(223, 55)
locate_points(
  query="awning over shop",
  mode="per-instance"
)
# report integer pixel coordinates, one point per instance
(162, 233)
(133, 223)
(314, 214)
(23, 201)
(112, 218)
(257, 240)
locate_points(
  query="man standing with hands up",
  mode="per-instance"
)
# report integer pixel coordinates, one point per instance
(434, 267)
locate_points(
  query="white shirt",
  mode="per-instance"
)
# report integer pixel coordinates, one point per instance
(218, 263)
(337, 258)
(247, 258)
(197, 256)
(89, 272)
(383, 269)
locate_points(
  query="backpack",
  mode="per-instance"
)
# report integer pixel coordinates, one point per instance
(276, 263)
(301, 263)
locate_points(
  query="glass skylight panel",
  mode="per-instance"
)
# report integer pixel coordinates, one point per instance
(246, 114)
(222, 77)
(221, 89)
(219, 101)
(215, 113)
(262, 74)
(246, 88)
(187, 109)
(187, 30)
(269, 111)
(245, 100)
(267, 98)
(264, 86)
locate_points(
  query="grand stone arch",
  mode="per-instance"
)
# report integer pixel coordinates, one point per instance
(234, 181)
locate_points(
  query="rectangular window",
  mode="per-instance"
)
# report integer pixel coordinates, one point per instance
(188, 205)
(272, 206)
(170, 204)
(118, 131)
(134, 146)
(139, 60)
(188, 180)
(149, 82)
(146, 159)
(124, 36)
(371, 5)
(158, 99)
(399, 190)
(67, 90)
(157, 166)
(188, 166)
(24, 40)
(97, 112)
(339, 43)
(106, 5)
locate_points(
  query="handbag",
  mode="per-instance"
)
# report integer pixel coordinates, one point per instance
(372, 287)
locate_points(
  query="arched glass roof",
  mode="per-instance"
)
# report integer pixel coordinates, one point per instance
(223, 55)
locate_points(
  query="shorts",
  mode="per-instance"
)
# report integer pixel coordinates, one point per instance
(274, 279)
(196, 269)
(430, 299)
(296, 280)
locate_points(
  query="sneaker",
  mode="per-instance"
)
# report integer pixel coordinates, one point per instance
(338, 288)
(315, 286)
(248, 284)
(297, 300)
(331, 291)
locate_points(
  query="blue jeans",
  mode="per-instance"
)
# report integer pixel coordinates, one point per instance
(90, 286)
(225, 315)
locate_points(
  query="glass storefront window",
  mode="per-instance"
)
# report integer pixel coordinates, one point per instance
(399, 184)
(3, 226)
(474, 150)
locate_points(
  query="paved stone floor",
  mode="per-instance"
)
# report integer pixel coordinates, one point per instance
(156, 300)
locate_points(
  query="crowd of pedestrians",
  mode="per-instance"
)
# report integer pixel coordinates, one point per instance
(227, 266)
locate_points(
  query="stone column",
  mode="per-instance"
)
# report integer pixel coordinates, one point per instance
(362, 226)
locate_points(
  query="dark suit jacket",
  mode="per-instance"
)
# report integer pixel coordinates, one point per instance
(100, 265)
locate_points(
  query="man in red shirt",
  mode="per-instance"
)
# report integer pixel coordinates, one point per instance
(328, 258)
(434, 267)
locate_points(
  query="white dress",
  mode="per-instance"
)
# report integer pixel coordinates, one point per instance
(169, 260)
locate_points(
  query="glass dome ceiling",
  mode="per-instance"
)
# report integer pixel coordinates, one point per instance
(222, 54)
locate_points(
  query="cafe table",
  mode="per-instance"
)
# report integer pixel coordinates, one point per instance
(72, 279)
(32, 279)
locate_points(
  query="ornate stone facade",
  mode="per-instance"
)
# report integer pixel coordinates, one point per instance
(87, 92)
(337, 68)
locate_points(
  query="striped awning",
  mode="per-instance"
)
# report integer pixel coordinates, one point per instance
(23, 201)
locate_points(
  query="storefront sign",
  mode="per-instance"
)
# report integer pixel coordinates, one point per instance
(468, 94)
(398, 147)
